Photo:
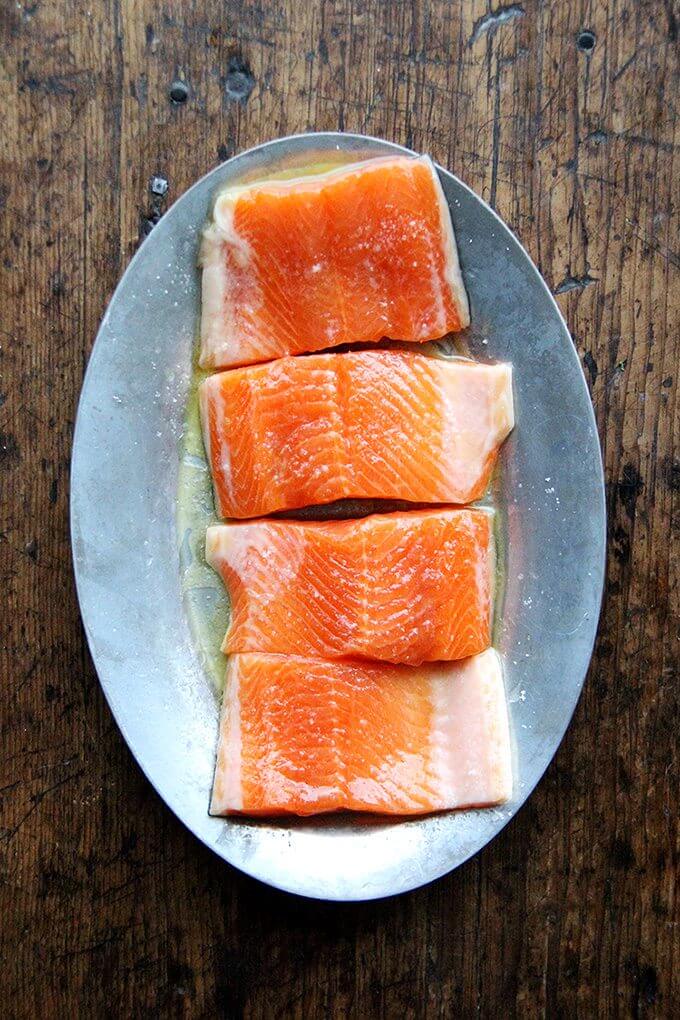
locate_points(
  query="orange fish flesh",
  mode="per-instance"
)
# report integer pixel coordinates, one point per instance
(402, 587)
(355, 254)
(376, 424)
(304, 736)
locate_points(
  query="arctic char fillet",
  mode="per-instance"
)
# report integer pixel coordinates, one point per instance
(403, 587)
(355, 254)
(376, 424)
(304, 736)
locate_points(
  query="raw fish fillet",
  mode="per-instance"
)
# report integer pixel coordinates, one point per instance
(304, 736)
(376, 424)
(404, 587)
(354, 254)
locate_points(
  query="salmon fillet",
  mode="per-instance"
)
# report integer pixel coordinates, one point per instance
(404, 587)
(377, 424)
(354, 254)
(304, 736)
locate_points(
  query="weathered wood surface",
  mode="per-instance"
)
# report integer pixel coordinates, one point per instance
(107, 906)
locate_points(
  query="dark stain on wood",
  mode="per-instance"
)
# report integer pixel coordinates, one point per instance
(239, 81)
(108, 906)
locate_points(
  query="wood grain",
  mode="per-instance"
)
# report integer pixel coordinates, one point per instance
(107, 905)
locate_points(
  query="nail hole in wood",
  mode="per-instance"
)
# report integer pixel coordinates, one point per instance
(158, 185)
(179, 92)
(586, 41)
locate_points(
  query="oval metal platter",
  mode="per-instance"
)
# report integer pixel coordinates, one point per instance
(550, 499)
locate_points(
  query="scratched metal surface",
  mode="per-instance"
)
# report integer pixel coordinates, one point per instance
(124, 482)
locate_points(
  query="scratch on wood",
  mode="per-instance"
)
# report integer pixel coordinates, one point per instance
(494, 19)
(37, 800)
(598, 136)
(575, 283)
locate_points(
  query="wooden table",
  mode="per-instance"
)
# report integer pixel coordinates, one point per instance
(564, 117)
